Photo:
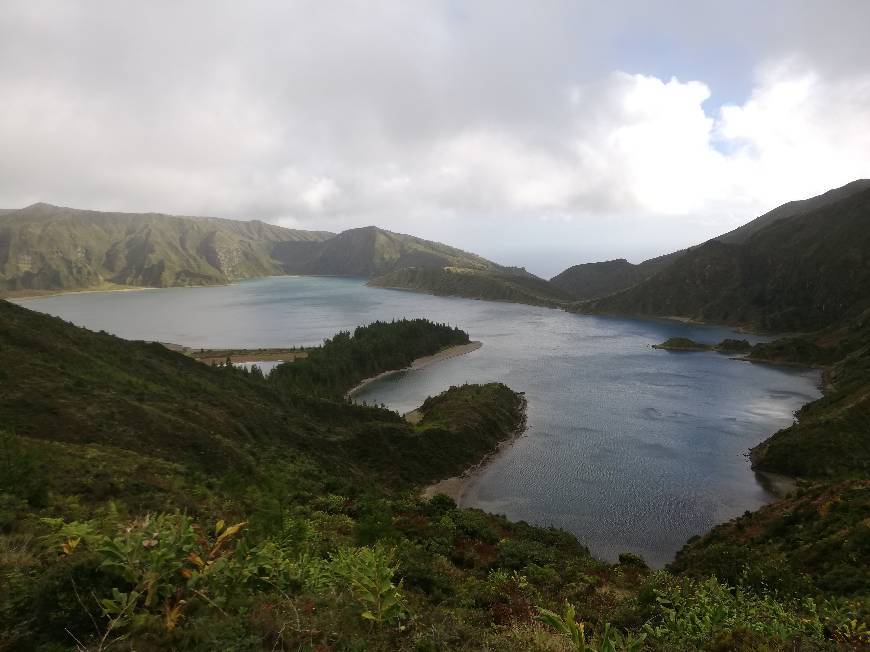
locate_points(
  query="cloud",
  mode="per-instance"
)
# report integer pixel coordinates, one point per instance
(580, 122)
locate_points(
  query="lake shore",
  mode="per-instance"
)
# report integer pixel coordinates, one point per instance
(419, 363)
(23, 295)
(456, 486)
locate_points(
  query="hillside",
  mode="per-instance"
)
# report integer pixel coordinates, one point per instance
(812, 542)
(794, 209)
(44, 247)
(799, 274)
(138, 396)
(831, 438)
(492, 285)
(370, 252)
(48, 248)
(394, 260)
(595, 280)
(816, 540)
(148, 501)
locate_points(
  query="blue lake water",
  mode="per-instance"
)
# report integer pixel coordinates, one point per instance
(628, 447)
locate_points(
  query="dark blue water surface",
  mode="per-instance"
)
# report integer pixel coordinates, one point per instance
(628, 447)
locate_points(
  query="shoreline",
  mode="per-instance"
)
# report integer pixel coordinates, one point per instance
(45, 294)
(457, 485)
(419, 363)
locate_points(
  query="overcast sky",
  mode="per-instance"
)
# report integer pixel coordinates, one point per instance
(537, 133)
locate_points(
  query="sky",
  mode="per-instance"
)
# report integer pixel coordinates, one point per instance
(538, 133)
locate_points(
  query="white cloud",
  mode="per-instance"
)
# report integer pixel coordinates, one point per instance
(430, 117)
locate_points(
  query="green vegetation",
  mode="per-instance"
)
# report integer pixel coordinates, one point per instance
(814, 543)
(49, 248)
(370, 252)
(516, 286)
(730, 345)
(686, 344)
(596, 280)
(682, 344)
(45, 247)
(830, 439)
(148, 501)
(345, 360)
(799, 274)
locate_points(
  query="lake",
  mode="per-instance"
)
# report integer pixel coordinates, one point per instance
(628, 447)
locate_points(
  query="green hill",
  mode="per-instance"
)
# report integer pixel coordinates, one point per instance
(595, 280)
(49, 248)
(831, 438)
(816, 540)
(148, 501)
(44, 247)
(370, 252)
(799, 274)
(503, 284)
(394, 260)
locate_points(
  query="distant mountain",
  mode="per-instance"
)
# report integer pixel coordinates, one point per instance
(45, 247)
(370, 252)
(594, 280)
(49, 248)
(504, 284)
(797, 274)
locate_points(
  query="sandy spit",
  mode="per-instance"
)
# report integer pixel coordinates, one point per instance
(419, 363)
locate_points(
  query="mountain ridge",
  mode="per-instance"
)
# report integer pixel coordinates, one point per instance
(799, 274)
(599, 279)
(55, 249)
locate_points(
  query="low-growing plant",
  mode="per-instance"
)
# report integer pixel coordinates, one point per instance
(368, 572)
(609, 640)
(688, 613)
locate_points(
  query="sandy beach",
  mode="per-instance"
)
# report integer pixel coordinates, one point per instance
(419, 363)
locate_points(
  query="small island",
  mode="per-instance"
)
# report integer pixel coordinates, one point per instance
(682, 344)
(686, 344)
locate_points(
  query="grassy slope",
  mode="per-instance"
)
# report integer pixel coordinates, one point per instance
(53, 248)
(476, 284)
(595, 280)
(831, 438)
(800, 274)
(101, 419)
(816, 542)
(109, 429)
(45, 248)
(69, 385)
(371, 251)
